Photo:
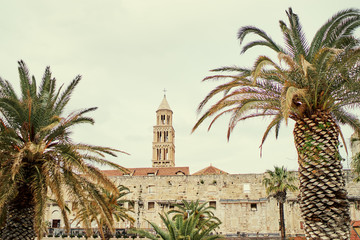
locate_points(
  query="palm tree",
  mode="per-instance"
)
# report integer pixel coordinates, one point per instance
(116, 210)
(190, 208)
(39, 158)
(316, 86)
(180, 228)
(277, 184)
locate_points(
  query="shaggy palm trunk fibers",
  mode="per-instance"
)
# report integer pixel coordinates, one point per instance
(323, 198)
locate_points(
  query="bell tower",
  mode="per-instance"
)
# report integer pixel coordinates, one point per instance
(164, 137)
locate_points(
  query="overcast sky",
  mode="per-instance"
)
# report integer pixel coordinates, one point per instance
(128, 51)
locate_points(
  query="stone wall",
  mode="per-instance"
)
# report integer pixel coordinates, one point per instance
(240, 200)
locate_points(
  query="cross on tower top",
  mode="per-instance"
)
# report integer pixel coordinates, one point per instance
(164, 92)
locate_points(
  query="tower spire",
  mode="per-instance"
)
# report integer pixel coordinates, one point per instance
(164, 136)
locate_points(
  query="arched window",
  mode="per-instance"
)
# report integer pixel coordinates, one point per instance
(159, 136)
(166, 154)
(159, 154)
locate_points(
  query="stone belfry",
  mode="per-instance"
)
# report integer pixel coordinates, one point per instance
(164, 137)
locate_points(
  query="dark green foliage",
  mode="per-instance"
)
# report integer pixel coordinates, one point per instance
(193, 225)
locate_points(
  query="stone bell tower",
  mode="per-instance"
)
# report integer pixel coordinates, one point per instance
(164, 137)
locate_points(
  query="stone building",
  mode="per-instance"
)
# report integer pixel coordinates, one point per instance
(355, 144)
(240, 199)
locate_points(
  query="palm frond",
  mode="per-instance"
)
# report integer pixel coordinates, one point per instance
(244, 31)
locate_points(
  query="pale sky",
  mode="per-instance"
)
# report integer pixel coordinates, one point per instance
(128, 51)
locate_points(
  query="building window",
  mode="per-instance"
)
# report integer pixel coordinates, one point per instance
(168, 119)
(164, 205)
(163, 119)
(253, 206)
(159, 154)
(151, 188)
(158, 136)
(246, 187)
(166, 136)
(212, 204)
(56, 223)
(151, 205)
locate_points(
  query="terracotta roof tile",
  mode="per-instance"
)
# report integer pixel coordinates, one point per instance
(165, 171)
(355, 223)
(211, 170)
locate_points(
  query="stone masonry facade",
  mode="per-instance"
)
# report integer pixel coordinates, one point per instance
(240, 200)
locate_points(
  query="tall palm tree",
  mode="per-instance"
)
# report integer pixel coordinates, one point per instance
(277, 183)
(94, 213)
(315, 87)
(187, 209)
(180, 228)
(38, 157)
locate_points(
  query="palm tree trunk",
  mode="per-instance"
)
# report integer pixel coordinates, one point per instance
(20, 217)
(107, 233)
(323, 197)
(19, 224)
(282, 220)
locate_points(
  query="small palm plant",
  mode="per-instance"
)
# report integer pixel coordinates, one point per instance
(180, 228)
(38, 157)
(189, 208)
(93, 213)
(277, 183)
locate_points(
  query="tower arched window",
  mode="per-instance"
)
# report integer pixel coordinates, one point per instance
(159, 136)
(166, 136)
(159, 154)
(163, 119)
(166, 154)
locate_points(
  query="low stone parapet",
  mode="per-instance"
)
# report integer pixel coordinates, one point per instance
(89, 238)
